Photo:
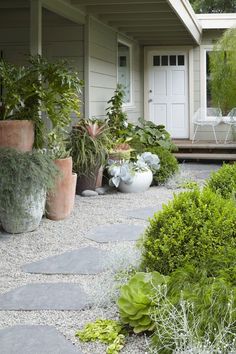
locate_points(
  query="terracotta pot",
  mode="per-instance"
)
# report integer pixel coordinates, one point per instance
(60, 202)
(17, 134)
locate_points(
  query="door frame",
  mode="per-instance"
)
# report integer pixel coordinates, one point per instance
(189, 52)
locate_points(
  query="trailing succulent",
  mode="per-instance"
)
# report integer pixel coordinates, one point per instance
(106, 331)
(125, 170)
(136, 300)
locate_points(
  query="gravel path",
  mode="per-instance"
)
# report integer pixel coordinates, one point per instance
(53, 238)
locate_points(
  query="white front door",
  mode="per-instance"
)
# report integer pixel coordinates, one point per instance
(168, 91)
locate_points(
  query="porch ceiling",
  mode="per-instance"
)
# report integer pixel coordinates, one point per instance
(150, 22)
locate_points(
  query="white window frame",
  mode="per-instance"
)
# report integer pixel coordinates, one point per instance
(203, 73)
(130, 104)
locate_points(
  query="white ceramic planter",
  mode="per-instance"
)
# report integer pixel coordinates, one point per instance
(141, 182)
(33, 209)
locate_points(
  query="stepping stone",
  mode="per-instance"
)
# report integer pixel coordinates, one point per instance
(143, 213)
(45, 296)
(34, 339)
(88, 260)
(116, 232)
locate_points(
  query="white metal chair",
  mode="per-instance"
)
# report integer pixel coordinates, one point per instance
(207, 117)
(230, 119)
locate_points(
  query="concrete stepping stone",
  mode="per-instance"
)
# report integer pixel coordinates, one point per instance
(45, 296)
(143, 213)
(87, 260)
(116, 232)
(25, 339)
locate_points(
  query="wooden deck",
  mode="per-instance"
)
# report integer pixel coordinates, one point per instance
(205, 150)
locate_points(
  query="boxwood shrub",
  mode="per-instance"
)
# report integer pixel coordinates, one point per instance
(191, 228)
(168, 164)
(223, 181)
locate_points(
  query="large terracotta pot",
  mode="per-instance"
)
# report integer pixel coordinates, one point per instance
(141, 183)
(60, 202)
(17, 134)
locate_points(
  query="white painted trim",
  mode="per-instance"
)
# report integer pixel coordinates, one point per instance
(65, 9)
(189, 51)
(203, 49)
(129, 105)
(217, 21)
(185, 12)
(35, 27)
(191, 91)
(87, 67)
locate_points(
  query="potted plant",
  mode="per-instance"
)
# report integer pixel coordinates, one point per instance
(133, 177)
(32, 94)
(89, 145)
(25, 178)
(60, 202)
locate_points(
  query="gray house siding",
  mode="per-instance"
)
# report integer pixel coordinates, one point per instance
(102, 70)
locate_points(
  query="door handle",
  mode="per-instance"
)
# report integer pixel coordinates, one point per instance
(150, 100)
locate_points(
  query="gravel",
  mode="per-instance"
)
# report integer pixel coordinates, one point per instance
(53, 238)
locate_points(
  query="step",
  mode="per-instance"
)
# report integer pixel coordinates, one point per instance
(205, 156)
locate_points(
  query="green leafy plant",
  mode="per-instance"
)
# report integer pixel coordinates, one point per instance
(147, 134)
(22, 175)
(41, 89)
(136, 300)
(106, 331)
(116, 117)
(223, 181)
(191, 228)
(168, 165)
(57, 142)
(89, 143)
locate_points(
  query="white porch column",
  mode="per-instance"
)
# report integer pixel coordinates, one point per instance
(35, 27)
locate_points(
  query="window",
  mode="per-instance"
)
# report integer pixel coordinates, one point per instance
(168, 60)
(124, 70)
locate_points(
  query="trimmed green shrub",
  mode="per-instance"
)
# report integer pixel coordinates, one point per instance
(168, 164)
(191, 228)
(137, 299)
(223, 181)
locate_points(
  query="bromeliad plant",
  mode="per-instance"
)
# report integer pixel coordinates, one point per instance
(89, 143)
(126, 170)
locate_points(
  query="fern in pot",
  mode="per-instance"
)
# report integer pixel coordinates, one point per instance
(133, 176)
(25, 177)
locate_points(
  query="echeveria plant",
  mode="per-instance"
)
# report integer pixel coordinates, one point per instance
(125, 170)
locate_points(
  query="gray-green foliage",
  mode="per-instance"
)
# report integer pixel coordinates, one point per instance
(23, 174)
(106, 331)
(223, 181)
(136, 300)
(191, 228)
(213, 6)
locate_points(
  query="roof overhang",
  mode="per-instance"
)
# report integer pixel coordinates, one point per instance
(217, 21)
(150, 22)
